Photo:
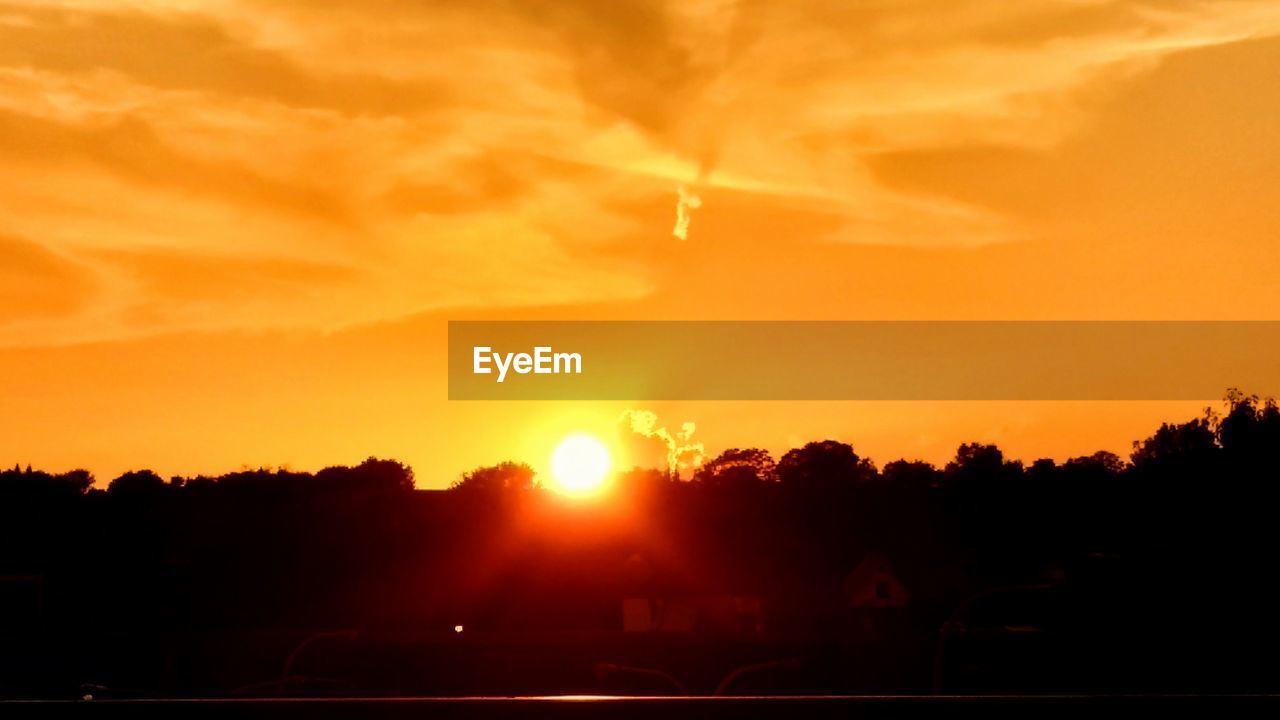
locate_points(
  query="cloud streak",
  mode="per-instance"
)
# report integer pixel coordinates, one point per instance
(496, 153)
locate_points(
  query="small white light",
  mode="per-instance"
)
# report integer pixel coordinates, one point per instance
(457, 628)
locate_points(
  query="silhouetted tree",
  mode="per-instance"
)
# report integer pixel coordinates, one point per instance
(737, 468)
(1103, 461)
(823, 466)
(505, 477)
(77, 481)
(136, 484)
(386, 474)
(371, 476)
(912, 473)
(980, 461)
(1189, 446)
(1250, 429)
(32, 484)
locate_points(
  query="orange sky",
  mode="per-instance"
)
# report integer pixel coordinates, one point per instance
(233, 231)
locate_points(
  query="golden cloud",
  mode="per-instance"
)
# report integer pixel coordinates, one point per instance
(249, 165)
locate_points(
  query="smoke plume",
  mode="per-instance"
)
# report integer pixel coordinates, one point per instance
(652, 444)
(686, 203)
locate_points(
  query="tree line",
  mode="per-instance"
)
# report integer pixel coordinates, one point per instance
(1175, 540)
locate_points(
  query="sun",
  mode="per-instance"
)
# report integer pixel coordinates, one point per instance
(580, 464)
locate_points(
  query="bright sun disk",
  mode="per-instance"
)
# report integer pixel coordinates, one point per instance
(580, 464)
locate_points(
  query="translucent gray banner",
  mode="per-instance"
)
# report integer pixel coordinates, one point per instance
(861, 360)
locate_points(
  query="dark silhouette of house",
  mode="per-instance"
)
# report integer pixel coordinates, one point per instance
(874, 585)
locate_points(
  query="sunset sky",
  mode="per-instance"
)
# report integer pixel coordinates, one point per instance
(231, 233)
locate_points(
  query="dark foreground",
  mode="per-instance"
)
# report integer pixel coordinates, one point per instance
(818, 574)
(671, 708)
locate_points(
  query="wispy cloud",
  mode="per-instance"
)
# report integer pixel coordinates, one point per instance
(436, 151)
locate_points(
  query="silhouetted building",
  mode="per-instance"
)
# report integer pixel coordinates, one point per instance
(874, 585)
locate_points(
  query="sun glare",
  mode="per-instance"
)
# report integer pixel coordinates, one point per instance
(580, 465)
